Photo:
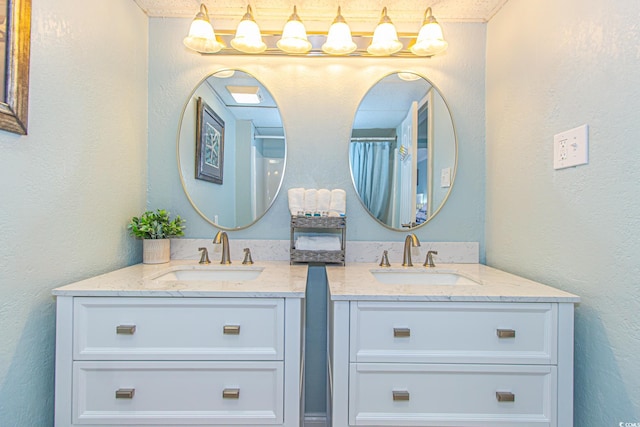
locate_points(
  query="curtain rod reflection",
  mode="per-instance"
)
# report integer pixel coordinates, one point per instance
(373, 139)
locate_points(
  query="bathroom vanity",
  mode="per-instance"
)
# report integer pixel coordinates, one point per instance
(181, 344)
(473, 347)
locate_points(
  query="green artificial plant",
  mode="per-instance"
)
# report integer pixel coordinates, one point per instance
(156, 225)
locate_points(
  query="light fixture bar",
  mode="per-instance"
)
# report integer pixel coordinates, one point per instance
(362, 41)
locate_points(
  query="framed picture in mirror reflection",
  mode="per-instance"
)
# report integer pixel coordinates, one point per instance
(209, 143)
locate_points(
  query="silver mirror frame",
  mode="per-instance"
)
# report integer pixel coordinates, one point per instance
(455, 164)
(182, 182)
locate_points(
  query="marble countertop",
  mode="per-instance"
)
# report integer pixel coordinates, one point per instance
(277, 279)
(356, 282)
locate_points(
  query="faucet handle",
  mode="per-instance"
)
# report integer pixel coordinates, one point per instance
(428, 262)
(247, 256)
(384, 261)
(204, 256)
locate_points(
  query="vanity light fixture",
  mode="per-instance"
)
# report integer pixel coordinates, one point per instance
(201, 36)
(294, 36)
(293, 39)
(430, 39)
(248, 38)
(339, 40)
(245, 94)
(385, 38)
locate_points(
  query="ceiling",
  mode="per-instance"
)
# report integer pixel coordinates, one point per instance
(361, 15)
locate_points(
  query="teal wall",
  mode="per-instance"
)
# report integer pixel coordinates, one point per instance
(552, 66)
(68, 188)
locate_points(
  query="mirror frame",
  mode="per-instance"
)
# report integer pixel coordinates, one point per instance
(184, 187)
(455, 163)
(14, 108)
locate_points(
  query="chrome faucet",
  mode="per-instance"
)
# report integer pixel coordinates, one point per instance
(221, 237)
(428, 262)
(204, 256)
(409, 242)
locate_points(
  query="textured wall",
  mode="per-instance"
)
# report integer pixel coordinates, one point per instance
(69, 187)
(318, 98)
(552, 66)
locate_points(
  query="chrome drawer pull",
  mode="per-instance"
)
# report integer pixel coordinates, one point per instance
(125, 393)
(505, 396)
(401, 332)
(506, 333)
(400, 395)
(126, 329)
(231, 393)
(231, 330)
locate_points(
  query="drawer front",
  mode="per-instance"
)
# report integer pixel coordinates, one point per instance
(158, 393)
(453, 332)
(452, 395)
(178, 329)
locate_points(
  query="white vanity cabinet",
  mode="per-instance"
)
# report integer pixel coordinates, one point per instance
(463, 364)
(178, 361)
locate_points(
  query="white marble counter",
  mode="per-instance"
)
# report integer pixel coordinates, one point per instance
(356, 282)
(277, 279)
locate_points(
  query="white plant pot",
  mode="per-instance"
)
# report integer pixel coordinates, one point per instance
(156, 251)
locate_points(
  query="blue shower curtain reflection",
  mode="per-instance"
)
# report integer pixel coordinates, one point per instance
(370, 167)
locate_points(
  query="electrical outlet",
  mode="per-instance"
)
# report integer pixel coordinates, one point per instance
(571, 148)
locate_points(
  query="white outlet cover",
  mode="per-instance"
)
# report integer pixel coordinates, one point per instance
(571, 148)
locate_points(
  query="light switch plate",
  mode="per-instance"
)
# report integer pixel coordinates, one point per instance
(571, 148)
(445, 178)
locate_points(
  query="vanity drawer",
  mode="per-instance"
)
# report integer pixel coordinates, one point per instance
(452, 395)
(159, 393)
(415, 332)
(178, 329)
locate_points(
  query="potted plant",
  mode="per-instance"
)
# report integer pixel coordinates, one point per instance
(155, 229)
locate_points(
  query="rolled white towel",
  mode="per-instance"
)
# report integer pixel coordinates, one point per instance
(324, 200)
(338, 205)
(296, 200)
(311, 200)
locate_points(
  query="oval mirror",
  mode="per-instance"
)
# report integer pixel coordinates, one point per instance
(403, 151)
(231, 149)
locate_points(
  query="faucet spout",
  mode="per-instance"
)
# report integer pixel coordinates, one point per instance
(221, 237)
(410, 241)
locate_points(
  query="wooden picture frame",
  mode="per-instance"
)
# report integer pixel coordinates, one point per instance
(209, 144)
(14, 102)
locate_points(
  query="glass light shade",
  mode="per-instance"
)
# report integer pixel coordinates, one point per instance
(201, 36)
(248, 38)
(294, 36)
(339, 41)
(408, 77)
(385, 38)
(430, 38)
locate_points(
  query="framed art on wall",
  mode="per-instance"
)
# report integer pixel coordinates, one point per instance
(15, 41)
(209, 143)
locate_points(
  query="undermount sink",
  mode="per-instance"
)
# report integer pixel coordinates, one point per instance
(420, 277)
(212, 274)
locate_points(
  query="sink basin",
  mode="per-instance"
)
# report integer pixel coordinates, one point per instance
(215, 275)
(420, 277)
